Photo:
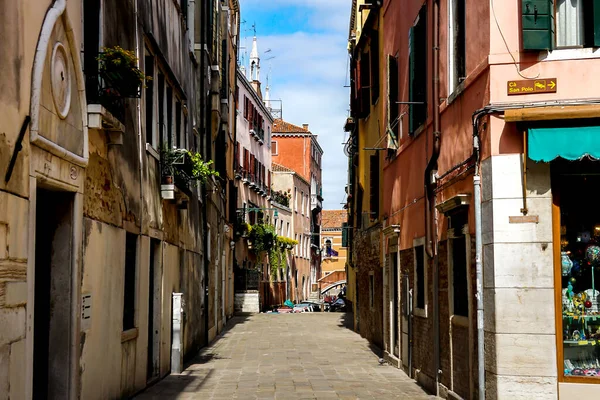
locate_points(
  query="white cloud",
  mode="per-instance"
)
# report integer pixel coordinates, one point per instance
(308, 74)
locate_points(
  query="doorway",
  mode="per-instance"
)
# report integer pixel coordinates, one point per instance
(154, 310)
(52, 333)
(394, 315)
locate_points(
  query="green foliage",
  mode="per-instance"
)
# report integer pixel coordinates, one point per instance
(186, 166)
(281, 197)
(263, 237)
(283, 241)
(119, 67)
(200, 170)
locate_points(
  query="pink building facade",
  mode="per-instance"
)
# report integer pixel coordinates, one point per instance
(492, 123)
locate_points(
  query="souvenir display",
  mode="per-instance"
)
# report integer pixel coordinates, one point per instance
(581, 308)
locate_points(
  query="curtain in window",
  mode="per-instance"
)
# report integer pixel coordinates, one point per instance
(569, 23)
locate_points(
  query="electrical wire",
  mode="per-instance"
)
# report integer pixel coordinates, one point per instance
(507, 48)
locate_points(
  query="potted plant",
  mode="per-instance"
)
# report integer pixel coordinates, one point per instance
(118, 68)
(183, 168)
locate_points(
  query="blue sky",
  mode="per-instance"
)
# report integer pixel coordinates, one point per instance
(308, 40)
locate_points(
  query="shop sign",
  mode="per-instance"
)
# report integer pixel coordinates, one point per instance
(532, 86)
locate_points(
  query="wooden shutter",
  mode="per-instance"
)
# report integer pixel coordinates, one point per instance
(374, 66)
(374, 186)
(393, 95)
(345, 234)
(537, 22)
(365, 86)
(411, 79)
(596, 17)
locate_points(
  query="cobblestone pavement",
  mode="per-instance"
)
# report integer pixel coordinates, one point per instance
(288, 356)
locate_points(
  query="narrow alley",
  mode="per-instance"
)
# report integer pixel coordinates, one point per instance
(278, 356)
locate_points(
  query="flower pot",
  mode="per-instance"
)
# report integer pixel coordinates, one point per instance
(167, 191)
(167, 180)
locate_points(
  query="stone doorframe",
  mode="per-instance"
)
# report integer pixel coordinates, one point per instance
(56, 168)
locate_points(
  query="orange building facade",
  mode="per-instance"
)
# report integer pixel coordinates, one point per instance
(298, 149)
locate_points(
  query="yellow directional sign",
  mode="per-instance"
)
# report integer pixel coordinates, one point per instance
(532, 86)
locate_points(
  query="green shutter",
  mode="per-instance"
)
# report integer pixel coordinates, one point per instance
(537, 23)
(596, 12)
(345, 234)
(411, 79)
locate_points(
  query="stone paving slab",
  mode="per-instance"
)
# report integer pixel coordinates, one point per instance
(289, 357)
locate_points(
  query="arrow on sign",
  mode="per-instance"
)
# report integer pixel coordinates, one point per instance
(552, 84)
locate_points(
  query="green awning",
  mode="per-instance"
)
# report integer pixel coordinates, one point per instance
(570, 143)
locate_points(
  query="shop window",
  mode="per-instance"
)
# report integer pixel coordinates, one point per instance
(417, 56)
(579, 247)
(458, 262)
(129, 291)
(420, 278)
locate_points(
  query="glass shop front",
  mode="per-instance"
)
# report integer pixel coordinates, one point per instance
(574, 157)
(575, 182)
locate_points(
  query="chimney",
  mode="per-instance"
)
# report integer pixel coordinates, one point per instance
(256, 86)
(305, 126)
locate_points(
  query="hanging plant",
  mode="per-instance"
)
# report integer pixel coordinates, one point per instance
(118, 68)
(186, 167)
(263, 237)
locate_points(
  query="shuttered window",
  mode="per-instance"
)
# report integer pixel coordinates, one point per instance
(374, 67)
(374, 186)
(418, 72)
(365, 86)
(393, 106)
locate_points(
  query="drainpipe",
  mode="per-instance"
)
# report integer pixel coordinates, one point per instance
(431, 223)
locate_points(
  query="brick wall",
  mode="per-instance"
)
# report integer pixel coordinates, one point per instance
(367, 250)
(454, 349)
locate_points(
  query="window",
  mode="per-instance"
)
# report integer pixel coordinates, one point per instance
(302, 205)
(179, 138)
(371, 291)
(456, 45)
(129, 281)
(274, 148)
(374, 186)
(149, 100)
(375, 67)
(458, 262)
(345, 234)
(417, 54)
(169, 121)
(420, 278)
(365, 86)
(296, 198)
(393, 106)
(161, 108)
(571, 23)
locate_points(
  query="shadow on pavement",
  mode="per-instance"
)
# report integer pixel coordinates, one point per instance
(192, 378)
